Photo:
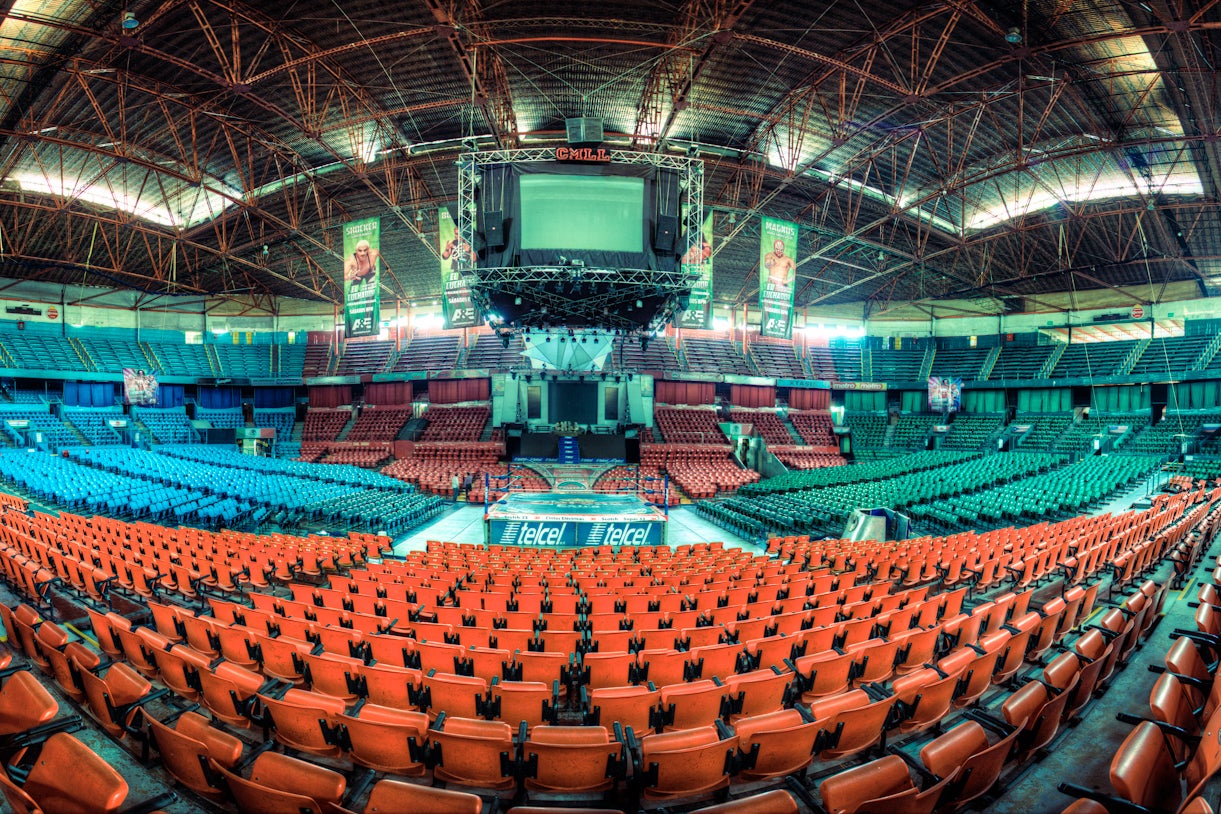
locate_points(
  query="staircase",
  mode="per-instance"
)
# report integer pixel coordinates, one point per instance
(570, 452)
(986, 371)
(347, 428)
(926, 367)
(154, 364)
(788, 425)
(1134, 356)
(82, 353)
(6, 358)
(1206, 355)
(213, 359)
(1052, 360)
(866, 365)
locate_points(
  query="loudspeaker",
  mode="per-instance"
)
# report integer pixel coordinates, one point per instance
(667, 232)
(583, 130)
(494, 228)
(631, 450)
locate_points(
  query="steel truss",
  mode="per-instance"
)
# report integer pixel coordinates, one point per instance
(616, 307)
(561, 295)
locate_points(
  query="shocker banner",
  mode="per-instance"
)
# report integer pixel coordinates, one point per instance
(362, 283)
(699, 251)
(777, 277)
(457, 268)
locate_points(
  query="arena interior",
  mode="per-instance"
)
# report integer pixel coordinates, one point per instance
(718, 406)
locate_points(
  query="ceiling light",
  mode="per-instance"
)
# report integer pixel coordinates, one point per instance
(130, 23)
(1014, 35)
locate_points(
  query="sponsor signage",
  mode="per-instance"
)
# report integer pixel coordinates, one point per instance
(570, 533)
(599, 155)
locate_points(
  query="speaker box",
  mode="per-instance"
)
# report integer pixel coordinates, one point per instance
(584, 130)
(631, 450)
(667, 233)
(494, 228)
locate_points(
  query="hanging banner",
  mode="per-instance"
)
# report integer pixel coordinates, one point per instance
(362, 278)
(698, 260)
(777, 277)
(457, 267)
(944, 393)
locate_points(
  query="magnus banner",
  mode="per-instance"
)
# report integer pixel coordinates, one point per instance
(457, 265)
(362, 284)
(699, 251)
(777, 277)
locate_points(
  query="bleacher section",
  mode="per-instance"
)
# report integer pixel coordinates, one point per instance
(244, 361)
(94, 423)
(767, 423)
(281, 420)
(292, 363)
(112, 355)
(695, 425)
(182, 360)
(815, 427)
(970, 431)
(359, 357)
(960, 363)
(489, 353)
(1169, 357)
(55, 434)
(168, 426)
(1046, 428)
(775, 359)
(455, 424)
(379, 423)
(834, 364)
(221, 419)
(868, 430)
(1088, 359)
(429, 353)
(626, 355)
(1020, 362)
(912, 430)
(700, 470)
(323, 424)
(897, 365)
(317, 361)
(34, 352)
(714, 356)
(1079, 437)
(1166, 436)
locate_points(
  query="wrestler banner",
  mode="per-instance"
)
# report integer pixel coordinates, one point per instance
(457, 266)
(362, 278)
(698, 260)
(777, 277)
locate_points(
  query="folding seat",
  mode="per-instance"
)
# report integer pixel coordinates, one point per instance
(882, 785)
(572, 760)
(862, 718)
(113, 698)
(279, 784)
(486, 662)
(714, 661)
(756, 692)
(778, 801)
(66, 659)
(1021, 631)
(473, 753)
(439, 656)
(822, 674)
(389, 796)
(201, 633)
(227, 689)
(1041, 709)
(1120, 630)
(516, 701)
(1143, 772)
(25, 704)
(1051, 614)
(965, 753)
(301, 720)
(691, 705)
(541, 666)
(916, 648)
(385, 740)
(177, 666)
(186, 747)
(336, 676)
(607, 669)
(975, 664)
(281, 658)
(166, 621)
(629, 706)
(775, 744)
(104, 630)
(389, 686)
(772, 651)
(1094, 646)
(925, 697)
(1074, 598)
(660, 666)
(461, 696)
(25, 622)
(684, 763)
(66, 777)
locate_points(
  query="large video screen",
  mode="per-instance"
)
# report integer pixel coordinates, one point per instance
(582, 212)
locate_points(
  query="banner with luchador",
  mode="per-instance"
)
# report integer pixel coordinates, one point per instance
(362, 284)
(457, 269)
(777, 277)
(698, 313)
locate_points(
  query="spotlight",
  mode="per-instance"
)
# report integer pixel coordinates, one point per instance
(517, 300)
(639, 304)
(130, 23)
(1013, 36)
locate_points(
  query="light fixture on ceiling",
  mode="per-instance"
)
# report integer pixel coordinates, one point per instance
(130, 23)
(1014, 35)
